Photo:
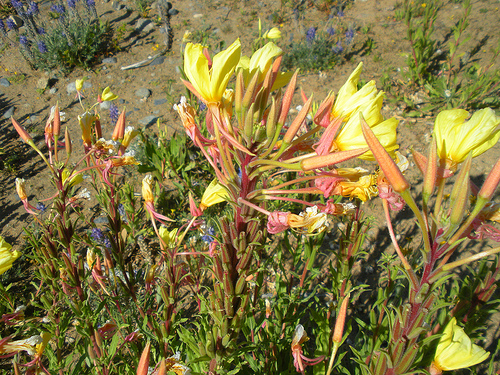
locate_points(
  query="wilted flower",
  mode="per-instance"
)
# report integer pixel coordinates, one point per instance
(310, 222)
(300, 361)
(455, 350)
(455, 137)
(28, 345)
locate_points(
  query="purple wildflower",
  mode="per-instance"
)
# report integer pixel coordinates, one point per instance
(97, 235)
(23, 41)
(338, 48)
(340, 13)
(16, 4)
(114, 113)
(71, 3)
(41, 207)
(2, 26)
(330, 31)
(349, 36)
(10, 24)
(42, 47)
(310, 34)
(40, 31)
(58, 8)
(33, 9)
(121, 209)
(208, 236)
(91, 3)
(202, 106)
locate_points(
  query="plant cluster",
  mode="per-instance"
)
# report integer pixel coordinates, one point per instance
(73, 36)
(445, 69)
(246, 274)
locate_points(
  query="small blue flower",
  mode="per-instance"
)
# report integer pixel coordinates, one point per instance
(16, 4)
(10, 24)
(33, 9)
(338, 48)
(40, 31)
(330, 31)
(114, 113)
(41, 207)
(121, 210)
(71, 3)
(91, 3)
(42, 47)
(340, 13)
(58, 8)
(202, 106)
(23, 41)
(2, 26)
(349, 36)
(209, 235)
(310, 34)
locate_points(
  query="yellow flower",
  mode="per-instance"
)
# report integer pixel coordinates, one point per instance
(7, 257)
(455, 137)
(168, 237)
(210, 84)
(76, 179)
(79, 84)
(214, 194)
(107, 95)
(86, 121)
(187, 36)
(455, 350)
(130, 134)
(350, 104)
(29, 345)
(274, 33)
(260, 62)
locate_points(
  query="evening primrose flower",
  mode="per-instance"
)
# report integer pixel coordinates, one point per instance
(130, 134)
(215, 193)
(274, 33)
(28, 345)
(260, 62)
(455, 350)
(209, 83)
(85, 122)
(350, 104)
(7, 256)
(309, 223)
(168, 237)
(75, 179)
(107, 95)
(455, 137)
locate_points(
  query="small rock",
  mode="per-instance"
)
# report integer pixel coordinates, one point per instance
(121, 101)
(42, 83)
(143, 93)
(109, 60)
(148, 120)
(198, 15)
(105, 105)
(144, 25)
(173, 12)
(52, 91)
(117, 6)
(158, 61)
(4, 82)
(9, 112)
(159, 101)
(17, 20)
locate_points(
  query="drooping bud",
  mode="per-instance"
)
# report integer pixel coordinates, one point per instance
(21, 131)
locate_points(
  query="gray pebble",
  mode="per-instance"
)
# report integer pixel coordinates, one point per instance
(9, 112)
(105, 105)
(159, 101)
(109, 60)
(52, 91)
(159, 60)
(148, 120)
(117, 6)
(143, 93)
(4, 82)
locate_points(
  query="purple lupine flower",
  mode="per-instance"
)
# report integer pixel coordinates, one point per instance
(2, 26)
(209, 235)
(310, 34)
(97, 235)
(58, 8)
(340, 13)
(330, 31)
(34, 8)
(121, 209)
(42, 47)
(338, 48)
(349, 36)
(202, 106)
(10, 24)
(71, 3)
(23, 40)
(16, 4)
(40, 31)
(114, 113)
(41, 207)
(91, 3)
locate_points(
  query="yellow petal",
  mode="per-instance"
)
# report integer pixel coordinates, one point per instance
(196, 68)
(224, 64)
(214, 194)
(347, 90)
